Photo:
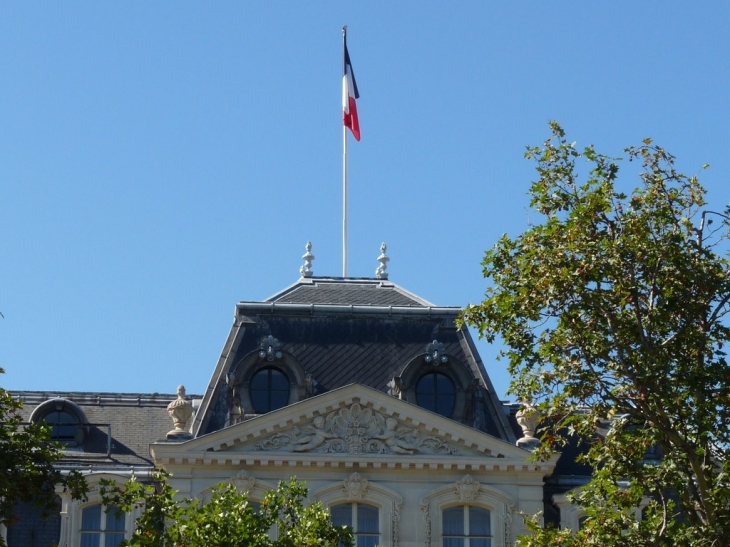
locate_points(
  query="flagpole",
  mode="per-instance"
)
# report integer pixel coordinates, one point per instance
(344, 173)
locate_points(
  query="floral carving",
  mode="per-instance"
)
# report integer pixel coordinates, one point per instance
(467, 489)
(355, 486)
(425, 507)
(270, 349)
(436, 354)
(356, 430)
(396, 521)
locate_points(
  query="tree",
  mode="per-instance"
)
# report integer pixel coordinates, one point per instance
(613, 310)
(228, 519)
(27, 464)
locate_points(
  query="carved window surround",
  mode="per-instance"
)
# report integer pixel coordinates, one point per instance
(405, 385)
(245, 483)
(571, 515)
(468, 491)
(357, 488)
(267, 356)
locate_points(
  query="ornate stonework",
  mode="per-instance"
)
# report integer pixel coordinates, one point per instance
(467, 489)
(436, 354)
(398, 502)
(306, 269)
(528, 418)
(270, 349)
(425, 508)
(180, 410)
(356, 430)
(355, 486)
(243, 482)
(380, 272)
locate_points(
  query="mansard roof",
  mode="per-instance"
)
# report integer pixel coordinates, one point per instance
(338, 290)
(334, 332)
(117, 427)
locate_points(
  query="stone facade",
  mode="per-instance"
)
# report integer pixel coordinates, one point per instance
(372, 395)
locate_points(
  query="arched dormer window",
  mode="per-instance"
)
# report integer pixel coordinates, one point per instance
(68, 422)
(269, 390)
(436, 392)
(439, 385)
(265, 380)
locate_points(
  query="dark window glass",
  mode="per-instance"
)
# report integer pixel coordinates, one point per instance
(366, 516)
(466, 526)
(269, 390)
(101, 528)
(435, 392)
(63, 425)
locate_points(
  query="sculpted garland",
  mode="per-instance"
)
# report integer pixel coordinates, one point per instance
(356, 430)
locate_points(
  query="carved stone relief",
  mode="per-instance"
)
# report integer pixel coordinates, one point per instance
(355, 486)
(243, 482)
(396, 520)
(425, 507)
(356, 430)
(270, 349)
(467, 489)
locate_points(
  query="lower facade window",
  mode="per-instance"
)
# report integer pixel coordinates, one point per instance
(364, 520)
(102, 526)
(466, 526)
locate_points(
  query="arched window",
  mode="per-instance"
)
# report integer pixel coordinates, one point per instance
(435, 391)
(63, 425)
(466, 526)
(373, 521)
(364, 519)
(269, 390)
(468, 514)
(102, 526)
(67, 421)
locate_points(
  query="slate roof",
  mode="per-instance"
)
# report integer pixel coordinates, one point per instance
(338, 290)
(134, 421)
(341, 331)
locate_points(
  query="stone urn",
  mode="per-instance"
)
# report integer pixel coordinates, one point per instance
(528, 417)
(180, 410)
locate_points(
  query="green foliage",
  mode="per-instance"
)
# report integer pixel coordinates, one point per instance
(613, 312)
(27, 458)
(227, 520)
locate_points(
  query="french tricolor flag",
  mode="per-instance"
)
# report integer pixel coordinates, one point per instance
(349, 94)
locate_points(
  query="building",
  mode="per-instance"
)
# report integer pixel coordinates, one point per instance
(372, 395)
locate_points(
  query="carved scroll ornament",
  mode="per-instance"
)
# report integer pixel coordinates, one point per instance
(356, 430)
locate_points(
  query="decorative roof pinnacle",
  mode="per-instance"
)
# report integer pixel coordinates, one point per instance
(380, 272)
(306, 269)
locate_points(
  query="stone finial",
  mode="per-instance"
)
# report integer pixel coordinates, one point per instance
(306, 269)
(436, 354)
(528, 418)
(380, 272)
(270, 349)
(180, 410)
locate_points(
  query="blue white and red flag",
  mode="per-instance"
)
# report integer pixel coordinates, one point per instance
(349, 95)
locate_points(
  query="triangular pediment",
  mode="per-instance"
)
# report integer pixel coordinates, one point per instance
(350, 422)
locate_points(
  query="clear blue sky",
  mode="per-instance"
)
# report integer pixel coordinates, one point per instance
(161, 161)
